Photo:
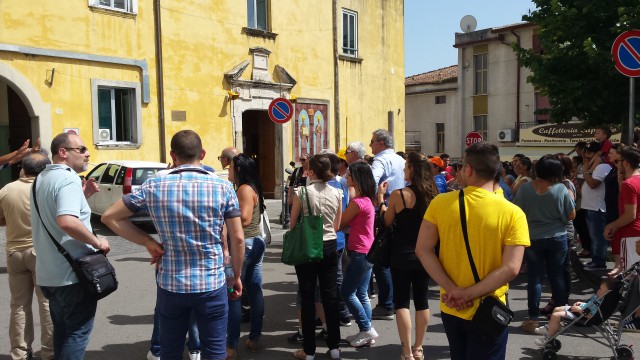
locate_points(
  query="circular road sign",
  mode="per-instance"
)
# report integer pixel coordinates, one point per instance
(280, 110)
(472, 138)
(626, 53)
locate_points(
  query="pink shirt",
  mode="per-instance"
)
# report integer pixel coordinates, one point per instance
(361, 233)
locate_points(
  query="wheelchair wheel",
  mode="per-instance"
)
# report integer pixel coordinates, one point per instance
(624, 352)
(548, 354)
(554, 345)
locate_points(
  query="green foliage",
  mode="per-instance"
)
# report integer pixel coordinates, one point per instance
(575, 68)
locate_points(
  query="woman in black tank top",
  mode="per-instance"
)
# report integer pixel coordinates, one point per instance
(405, 212)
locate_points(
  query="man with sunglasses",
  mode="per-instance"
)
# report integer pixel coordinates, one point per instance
(63, 211)
(225, 158)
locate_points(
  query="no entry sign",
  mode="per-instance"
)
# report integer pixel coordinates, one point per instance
(280, 110)
(472, 138)
(626, 53)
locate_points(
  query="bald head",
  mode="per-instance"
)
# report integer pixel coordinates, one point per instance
(34, 163)
(226, 156)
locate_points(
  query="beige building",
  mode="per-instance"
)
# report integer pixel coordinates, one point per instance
(487, 92)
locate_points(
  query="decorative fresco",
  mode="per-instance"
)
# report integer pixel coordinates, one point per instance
(311, 129)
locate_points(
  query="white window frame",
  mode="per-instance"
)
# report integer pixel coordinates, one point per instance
(131, 6)
(345, 29)
(136, 113)
(252, 8)
(480, 74)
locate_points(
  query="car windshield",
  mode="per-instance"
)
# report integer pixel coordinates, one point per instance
(141, 175)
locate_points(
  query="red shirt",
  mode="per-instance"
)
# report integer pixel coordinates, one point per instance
(629, 194)
(605, 147)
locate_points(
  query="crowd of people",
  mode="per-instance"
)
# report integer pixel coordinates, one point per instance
(210, 244)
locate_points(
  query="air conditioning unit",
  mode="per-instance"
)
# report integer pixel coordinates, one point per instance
(506, 135)
(104, 135)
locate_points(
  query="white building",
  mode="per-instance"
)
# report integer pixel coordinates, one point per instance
(487, 91)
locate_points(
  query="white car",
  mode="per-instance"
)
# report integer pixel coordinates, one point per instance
(117, 178)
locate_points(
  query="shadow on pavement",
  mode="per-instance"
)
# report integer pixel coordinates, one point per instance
(131, 319)
(136, 350)
(3, 270)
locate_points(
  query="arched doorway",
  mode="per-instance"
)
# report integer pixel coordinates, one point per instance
(23, 115)
(258, 141)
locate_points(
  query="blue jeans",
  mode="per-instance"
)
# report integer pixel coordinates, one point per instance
(254, 248)
(72, 313)
(385, 289)
(354, 289)
(344, 311)
(466, 343)
(596, 221)
(193, 343)
(549, 254)
(210, 310)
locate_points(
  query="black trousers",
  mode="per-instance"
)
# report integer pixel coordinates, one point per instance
(324, 272)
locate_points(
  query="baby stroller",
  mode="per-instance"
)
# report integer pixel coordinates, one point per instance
(625, 297)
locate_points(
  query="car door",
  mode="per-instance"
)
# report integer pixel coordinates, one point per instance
(95, 174)
(102, 199)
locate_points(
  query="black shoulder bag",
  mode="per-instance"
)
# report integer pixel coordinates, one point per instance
(94, 271)
(492, 316)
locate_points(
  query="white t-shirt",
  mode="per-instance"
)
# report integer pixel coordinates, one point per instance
(593, 199)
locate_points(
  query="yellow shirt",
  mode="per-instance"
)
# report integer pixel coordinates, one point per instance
(492, 223)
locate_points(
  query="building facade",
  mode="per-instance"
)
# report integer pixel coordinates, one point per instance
(488, 93)
(127, 74)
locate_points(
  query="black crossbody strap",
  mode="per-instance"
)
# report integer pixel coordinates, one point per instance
(60, 248)
(463, 222)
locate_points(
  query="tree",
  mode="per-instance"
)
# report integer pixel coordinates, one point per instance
(573, 65)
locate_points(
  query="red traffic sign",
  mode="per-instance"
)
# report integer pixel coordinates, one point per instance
(626, 53)
(472, 138)
(280, 110)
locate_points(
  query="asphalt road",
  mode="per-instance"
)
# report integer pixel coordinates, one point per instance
(124, 320)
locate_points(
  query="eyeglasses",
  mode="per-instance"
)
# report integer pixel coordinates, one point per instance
(373, 140)
(80, 150)
(221, 157)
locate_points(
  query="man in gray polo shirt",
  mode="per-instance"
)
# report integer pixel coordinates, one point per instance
(63, 210)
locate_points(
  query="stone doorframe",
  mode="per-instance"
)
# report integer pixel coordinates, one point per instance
(39, 111)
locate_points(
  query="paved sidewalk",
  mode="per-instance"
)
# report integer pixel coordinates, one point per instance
(124, 319)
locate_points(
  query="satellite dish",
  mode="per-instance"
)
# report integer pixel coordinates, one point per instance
(468, 23)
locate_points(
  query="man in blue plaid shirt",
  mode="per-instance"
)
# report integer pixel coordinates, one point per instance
(189, 207)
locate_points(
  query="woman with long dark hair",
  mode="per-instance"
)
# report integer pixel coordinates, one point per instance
(243, 173)
(359, 216)
(324, 200)
(549, 207)
(406, 208)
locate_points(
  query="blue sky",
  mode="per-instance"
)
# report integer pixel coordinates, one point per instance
(430, 27)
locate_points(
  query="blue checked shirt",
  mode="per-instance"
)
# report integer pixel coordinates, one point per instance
(188, 210)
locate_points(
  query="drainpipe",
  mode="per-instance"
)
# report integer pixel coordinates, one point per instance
(159, 71)
(336, 74)
(517, 90)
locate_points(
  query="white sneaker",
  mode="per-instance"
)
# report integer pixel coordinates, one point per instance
(541, 341)
(363, 338)
(194, 355)
(150, 356)
(542, 330)
(374, 333)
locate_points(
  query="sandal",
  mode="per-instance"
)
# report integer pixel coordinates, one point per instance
(252, 345)
(300, 354)
(418, 354)
(232, 354)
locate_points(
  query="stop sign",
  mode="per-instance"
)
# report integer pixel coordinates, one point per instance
(472, 138)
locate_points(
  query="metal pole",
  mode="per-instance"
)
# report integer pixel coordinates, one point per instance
(632, 108)
(282, 172)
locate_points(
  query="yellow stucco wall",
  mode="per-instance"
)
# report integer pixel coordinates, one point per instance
(201, 41)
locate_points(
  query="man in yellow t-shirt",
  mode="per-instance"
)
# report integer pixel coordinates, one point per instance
(498, 234)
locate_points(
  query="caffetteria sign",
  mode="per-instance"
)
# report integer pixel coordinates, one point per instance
(563, 134)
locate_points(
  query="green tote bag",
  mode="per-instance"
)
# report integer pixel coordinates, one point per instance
(303, 243)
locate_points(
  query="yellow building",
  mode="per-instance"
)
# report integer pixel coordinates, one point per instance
(127, 74)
